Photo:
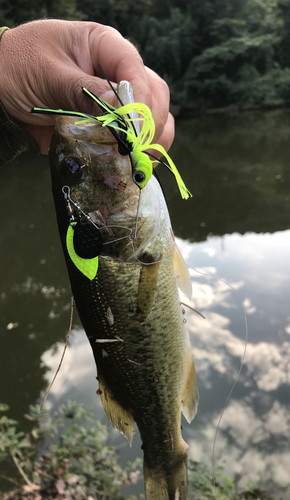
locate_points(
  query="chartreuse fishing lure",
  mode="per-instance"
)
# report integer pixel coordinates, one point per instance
(84, 240)
(121, 125)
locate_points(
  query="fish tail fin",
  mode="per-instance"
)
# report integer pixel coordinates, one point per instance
(162, 486)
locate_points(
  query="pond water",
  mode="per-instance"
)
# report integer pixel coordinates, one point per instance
(235, 230)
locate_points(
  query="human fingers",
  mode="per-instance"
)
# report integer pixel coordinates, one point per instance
(120, 60)
(86, 47)
(167, 136)
(165, 139)
(164, 122)
(47, 62)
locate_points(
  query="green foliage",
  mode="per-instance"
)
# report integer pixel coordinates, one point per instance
(221, 487)
(168, 44)
(75, 453)
(212, 53)
(14, 13)
(14, 444)
(76, 463)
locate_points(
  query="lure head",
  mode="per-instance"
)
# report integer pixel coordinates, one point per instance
(142, 168)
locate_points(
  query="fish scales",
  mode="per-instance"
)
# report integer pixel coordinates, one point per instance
(116, 286)
(156, 343)
(147, 375)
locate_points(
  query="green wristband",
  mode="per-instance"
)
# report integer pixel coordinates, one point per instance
(4, 28)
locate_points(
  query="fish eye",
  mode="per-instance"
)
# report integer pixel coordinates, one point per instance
(141, 168)
(139, 177)
(73, 168)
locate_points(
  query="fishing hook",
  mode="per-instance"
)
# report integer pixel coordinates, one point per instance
(66, 192)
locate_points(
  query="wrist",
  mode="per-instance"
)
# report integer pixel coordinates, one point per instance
(4, 28)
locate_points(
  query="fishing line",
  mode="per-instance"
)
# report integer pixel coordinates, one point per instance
(118, 97)
(121, 237)
(63, 353)
(137, 215)
(111, 86)
(238, 374)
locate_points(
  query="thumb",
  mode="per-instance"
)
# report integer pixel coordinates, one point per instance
(66, 94)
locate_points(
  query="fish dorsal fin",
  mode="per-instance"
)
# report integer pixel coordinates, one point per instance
(120, 418)
(181, 273)
(189, 400)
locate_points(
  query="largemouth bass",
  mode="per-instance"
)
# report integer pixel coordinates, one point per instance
(131, 309)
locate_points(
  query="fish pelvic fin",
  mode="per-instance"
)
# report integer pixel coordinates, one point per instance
(170, 486)
(189, 400)
(119, 417)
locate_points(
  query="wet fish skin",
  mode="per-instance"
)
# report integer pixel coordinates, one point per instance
(147, 375)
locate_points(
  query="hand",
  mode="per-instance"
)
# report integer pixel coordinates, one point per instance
(46, 63)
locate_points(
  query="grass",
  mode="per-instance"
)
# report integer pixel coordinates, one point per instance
(65, 456)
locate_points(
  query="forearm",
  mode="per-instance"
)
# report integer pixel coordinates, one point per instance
(13, 139)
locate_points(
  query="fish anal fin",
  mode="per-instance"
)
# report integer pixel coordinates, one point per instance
(189, 400)
(120, 418)
(181, 273)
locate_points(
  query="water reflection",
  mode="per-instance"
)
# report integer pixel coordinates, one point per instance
(77, 376)
(237, 169)
(238, 172)
(34, 289)
(253, 441)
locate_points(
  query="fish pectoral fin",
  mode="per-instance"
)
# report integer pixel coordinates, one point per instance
(120, 418)
(181, 273)
(147, 287)
(189, 400)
